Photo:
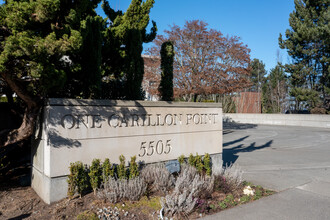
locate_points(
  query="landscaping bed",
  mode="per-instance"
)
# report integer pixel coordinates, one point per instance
(189, 194)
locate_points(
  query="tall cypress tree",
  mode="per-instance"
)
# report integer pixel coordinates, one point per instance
(90, 60)
(123, 44)
(166, 82)
(308, 43)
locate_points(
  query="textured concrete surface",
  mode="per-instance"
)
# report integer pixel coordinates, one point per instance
(295, 161)
(304, 120)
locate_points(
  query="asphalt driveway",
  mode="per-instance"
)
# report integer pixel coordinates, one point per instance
(294, 161)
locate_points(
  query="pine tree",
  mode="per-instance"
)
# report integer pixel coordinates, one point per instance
(166, 82)
(257, 76)
(278, 88)
(308, 43)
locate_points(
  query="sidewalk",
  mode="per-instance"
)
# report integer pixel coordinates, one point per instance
(293, 161)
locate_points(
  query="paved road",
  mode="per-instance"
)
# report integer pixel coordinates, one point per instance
(295, 161)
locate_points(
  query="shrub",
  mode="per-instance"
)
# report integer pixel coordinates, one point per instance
(133, 168)
(121, 168)
(72, 180)
(199, 163)
(87, 215)
(77, 179)
(230, 179)
(191, 160)
(157, 177)
(207, 164)
(95, 174)
(245, 199)
(221, 184)
(189, 187)
(229, 201)
(318, 110)
(223, 205)
(107, 170)
(181, 159)
(233, 175)
(116, 190)
(258, 193)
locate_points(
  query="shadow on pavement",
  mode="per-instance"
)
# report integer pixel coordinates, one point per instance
(235, 141)
(237, 126)
(229, 123)
(230, 155)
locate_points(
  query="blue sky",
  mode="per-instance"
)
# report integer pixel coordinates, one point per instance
(257, 22)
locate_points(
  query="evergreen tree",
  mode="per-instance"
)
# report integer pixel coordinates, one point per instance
(274, 91)
(123, 45)
(308, 43)
(40, 42)
(166, 82)
(257, 76)
(278, 88)
(90, 73)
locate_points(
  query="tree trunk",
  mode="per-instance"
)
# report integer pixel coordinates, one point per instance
(33, 105)
(24, 131)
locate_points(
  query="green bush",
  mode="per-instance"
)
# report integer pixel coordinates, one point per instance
(121, 168)
(191, 160)
(95, 174)
(199, 163)
(107, 170)
(133, 168)
(223, 205)
(181, 159)
(245, 199)
(258, 193)
(207, 164)
(229, 201)
(77, 179)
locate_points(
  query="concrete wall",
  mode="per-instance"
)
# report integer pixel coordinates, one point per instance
(305, 120)
(82, 130)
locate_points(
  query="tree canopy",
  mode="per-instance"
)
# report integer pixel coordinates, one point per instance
(205, 61)
(123, 45)
(308, 43)
(62, 48)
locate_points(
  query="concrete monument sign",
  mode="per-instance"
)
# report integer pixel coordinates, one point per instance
(81, 130)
